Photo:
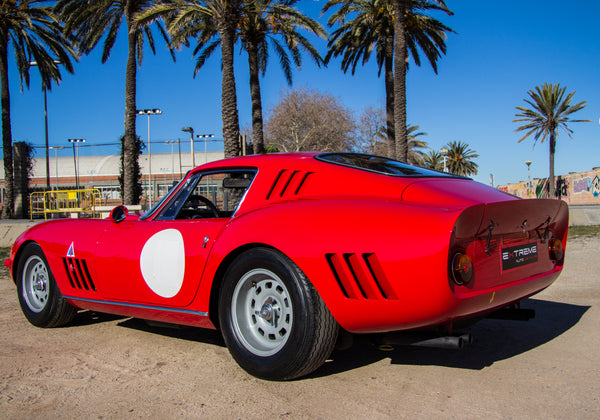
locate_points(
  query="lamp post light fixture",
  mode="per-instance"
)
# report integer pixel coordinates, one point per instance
(34, 63)
(149, 112)
(205, 138)
(191, 131)
(75, 144)
(444, 153)
(528, 163)
(56, 149)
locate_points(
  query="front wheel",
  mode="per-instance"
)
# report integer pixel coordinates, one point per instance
(39, 296)
(275, 324)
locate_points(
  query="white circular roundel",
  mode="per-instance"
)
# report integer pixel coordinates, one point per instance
(163, 262)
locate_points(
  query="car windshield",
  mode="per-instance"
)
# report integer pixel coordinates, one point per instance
(379, 164)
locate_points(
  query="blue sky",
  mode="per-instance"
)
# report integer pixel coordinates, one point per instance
(500, 51)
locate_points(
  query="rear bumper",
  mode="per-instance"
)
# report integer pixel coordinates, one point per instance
(437, 308)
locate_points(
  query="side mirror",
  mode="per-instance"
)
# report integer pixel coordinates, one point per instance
(118, 214)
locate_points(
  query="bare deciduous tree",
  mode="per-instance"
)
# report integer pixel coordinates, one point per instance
(307, 120)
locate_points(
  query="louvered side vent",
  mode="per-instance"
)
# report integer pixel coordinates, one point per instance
(288, 183)
(360, 276)
(78, 273)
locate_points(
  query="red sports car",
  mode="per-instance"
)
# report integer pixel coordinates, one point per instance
(283, 252)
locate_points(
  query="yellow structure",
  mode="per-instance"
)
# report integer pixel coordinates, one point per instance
(73, 202)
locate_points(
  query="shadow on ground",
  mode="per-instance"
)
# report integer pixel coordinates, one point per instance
(200, 335)
(494, 340)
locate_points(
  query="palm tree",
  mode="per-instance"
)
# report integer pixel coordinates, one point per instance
(402, 45)
(213, 23)
(460, 159)
(550, 110)
(434, 160)
(258, 23)
(372, 27)
(415, 156)
(262, 23)
(91, 20)
(35, 34)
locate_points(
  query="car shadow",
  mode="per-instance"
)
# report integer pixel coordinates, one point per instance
(493, 340)
(182, 332)
(85, 317)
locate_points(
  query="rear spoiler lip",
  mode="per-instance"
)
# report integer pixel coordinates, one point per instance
(514, 216)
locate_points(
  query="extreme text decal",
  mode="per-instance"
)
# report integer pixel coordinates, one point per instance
(516, 256)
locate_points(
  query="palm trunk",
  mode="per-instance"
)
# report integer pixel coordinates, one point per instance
(231, 125)
(551, 181)
(389, 95)
(9, 199)
(257, 116)
(400, 55)
(129, 154)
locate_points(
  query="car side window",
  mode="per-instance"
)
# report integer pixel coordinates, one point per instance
(209, 195)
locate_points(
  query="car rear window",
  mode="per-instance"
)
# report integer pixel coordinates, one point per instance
(379, 164)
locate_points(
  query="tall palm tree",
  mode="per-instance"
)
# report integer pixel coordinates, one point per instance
(90, 21)
(402, 44)
(262, 23)
(460, 159)
(550, 110)
(372, 27)
(35, 34)
(213, 23)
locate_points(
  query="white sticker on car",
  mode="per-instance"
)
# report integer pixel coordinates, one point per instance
(162, 262)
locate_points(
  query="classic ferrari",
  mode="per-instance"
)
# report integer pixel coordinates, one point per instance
(285, 252)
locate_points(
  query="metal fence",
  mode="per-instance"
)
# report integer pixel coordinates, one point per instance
(72, 202)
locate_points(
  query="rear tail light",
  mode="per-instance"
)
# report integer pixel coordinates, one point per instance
(462, 269)
(556, 249)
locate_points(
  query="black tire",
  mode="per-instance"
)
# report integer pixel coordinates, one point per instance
(275, 324)
(39, 296)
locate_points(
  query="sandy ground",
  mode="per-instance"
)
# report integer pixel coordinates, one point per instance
(110, 367)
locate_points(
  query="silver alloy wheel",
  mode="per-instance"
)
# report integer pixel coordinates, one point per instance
(36, 283)
(262, 312)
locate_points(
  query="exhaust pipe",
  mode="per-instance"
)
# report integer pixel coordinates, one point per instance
(425, 340)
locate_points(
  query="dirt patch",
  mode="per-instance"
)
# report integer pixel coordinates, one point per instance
(110, 367)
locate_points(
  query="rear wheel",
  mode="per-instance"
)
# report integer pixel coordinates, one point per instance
(39, 296)
(274, 322)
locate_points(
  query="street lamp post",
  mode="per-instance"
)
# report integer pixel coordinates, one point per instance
(148, 112)
(34, 63)
(172, 142)
(444, 153)
(205, 138)
(75, 144)
(191, 131)
(528, 163)
(56, 149)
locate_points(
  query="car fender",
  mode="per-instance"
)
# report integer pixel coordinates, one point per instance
(353, 238)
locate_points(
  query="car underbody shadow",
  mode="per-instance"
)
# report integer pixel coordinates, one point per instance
(493, 340)
(182, 332)
(85, 317)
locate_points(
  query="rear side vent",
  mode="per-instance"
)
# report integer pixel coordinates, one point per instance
(78, 274)
(288, 183)
(360, 276)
